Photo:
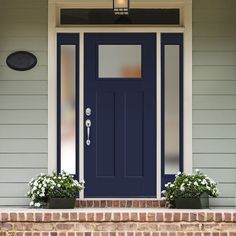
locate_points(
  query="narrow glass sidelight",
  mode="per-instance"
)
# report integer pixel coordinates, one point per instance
(171, 109)
(68, 143)
(172, 105)
(67, 103)
(120, 61)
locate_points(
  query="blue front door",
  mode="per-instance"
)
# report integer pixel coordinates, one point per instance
(120, 114)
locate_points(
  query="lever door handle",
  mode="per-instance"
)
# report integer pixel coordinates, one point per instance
(88, 125)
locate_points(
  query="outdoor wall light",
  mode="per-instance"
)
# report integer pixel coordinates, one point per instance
(121, 7)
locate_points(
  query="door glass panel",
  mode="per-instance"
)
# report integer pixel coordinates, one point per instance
(68, 61)
(119, 61)
(171, 109)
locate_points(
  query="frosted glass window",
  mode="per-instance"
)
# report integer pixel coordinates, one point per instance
(68, 143)
(119, 61)
(172, 109)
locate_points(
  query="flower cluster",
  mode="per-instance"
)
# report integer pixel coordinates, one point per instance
(189, 186)
(45, 187)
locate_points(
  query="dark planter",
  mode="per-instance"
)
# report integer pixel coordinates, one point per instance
(61, 203)
(193, 203)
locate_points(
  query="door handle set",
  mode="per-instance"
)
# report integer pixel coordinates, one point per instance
(88, 124)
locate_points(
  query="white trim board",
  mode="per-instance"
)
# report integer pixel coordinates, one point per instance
(186, 28)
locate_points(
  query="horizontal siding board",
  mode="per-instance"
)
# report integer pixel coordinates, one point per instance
(214, 4)
(24, 15)
(214, 102)
(42, 57)
(37, 73)
(14, 201)
(13, 189)
(23, 87)
(26, 160)
(19, 175)
(214, 44)
(213, 16)
(208, 58)
(214, 72)
(23, 145)
(221, 175)
(23, 4)
(214, 29)
(216, 160)
(24, 43)
(23, 102)
(214, 131)
(222, 202)
(214, 117)
(214, 87)
(214, 146)
(23, 117)
(23, 29)
(23, 131)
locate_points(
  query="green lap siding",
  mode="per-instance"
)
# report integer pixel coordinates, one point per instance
(23, 99)
(214, 94)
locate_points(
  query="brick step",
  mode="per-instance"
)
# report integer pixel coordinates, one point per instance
(120, 203)
(119, 222)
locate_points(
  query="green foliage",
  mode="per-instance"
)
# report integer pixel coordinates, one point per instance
(45, 187)
(189, 186)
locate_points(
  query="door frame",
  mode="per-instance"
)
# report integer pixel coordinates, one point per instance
(52, 83)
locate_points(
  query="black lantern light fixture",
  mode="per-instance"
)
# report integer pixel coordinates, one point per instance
(121, 7)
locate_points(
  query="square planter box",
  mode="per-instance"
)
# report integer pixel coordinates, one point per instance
(61, 203)
(193, 203)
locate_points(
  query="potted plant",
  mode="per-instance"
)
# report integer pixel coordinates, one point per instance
(57, 191)
(190, 191)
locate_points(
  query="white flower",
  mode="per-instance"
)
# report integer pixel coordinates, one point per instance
(179, 173)
(42, 195)
(58, 185)
(204, 182)
(197, 170)
(163, 191)
(37, 204)
(163, 198)
(196, 183)
(172, 185)
(182, 188)
(31, 203)
(36, 183)
(52, 187)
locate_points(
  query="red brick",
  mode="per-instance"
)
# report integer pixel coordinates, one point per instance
(130, 233)
(45, 233)
(56, 216)
(79, 234)
(116, 203)
(151, 216)
(169, 227)
(82, 216)
(201, 216)
(17, 234)
(142, 217)
(38, 216)
(125, 216)
(64, 226)
(21, 216)
(96, 203)
(227, 217)
(129, 203)
(89, 203)
(159, 217)
(177, 216)
(109, 203)
(185, 216)
(218, 217)
(71, 234)
(62, 234)
(172, 233)
(193, 216)
(99, 216)
(142, 203)
(215, 234)
(5, 217)
(103, 203)
(65, 216)
(13, 216)
(73, 216)
(29, 216)
(134, 216)
(123, 203)
(6, 226)
(47, 217)
(210, 217)
(53, 233)
(116, 217)
(168, 216)
(36, 234)
(190, 227)
(90, 216)
(136, 203)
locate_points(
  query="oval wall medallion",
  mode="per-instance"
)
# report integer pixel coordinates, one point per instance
(21, 60)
